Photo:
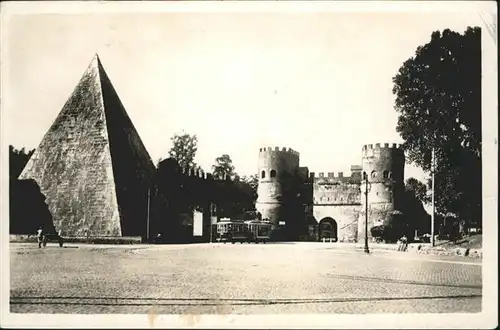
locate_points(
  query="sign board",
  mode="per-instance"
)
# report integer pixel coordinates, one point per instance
(214, 220)
(281, 223)
(197, 223)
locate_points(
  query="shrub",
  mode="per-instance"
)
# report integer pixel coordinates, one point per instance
(378, 231)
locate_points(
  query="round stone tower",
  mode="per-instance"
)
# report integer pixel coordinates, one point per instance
(274, 164)
(383, 165)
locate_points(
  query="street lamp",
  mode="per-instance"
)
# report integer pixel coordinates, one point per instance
(212, 212)
(367, 189)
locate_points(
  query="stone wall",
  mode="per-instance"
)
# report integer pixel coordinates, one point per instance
(346, 217)
(331, 192)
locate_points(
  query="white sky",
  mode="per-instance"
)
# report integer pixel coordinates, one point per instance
(320, 83)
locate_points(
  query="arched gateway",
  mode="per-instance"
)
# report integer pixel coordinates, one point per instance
(328, 229)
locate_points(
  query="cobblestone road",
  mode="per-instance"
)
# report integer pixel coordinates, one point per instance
(244, 279)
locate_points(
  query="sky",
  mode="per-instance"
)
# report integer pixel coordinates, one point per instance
(317, 82)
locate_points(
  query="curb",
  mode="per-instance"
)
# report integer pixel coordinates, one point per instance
(462, 252)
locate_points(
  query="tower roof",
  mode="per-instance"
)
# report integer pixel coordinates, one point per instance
(91, 164)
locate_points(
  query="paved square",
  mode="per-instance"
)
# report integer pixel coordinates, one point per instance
(240, 278)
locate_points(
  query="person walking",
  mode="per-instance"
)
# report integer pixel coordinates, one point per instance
(404, 243)
(39, 235)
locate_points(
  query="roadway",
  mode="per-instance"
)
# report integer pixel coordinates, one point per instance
(238, 279)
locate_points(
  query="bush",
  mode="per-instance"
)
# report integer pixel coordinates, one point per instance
(388, 233)
(378, 231)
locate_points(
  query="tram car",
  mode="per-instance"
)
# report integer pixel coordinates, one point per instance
(232, 231)
(260, 230)
(243, 231)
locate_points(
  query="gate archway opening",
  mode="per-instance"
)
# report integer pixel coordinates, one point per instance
(328, 229)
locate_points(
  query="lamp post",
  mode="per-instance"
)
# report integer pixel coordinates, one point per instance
(367, 250)
(212, 211)
(433, 170)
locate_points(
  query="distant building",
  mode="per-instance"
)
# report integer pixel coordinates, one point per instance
(333, 206)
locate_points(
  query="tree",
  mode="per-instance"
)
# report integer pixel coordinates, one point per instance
(27, 206)
(415, 195)
(417, 189)
(252, 181)
(184, 149)
(18, 160)
(438, 98)
(223, 167)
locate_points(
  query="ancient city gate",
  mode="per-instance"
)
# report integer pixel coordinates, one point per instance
(327, 228)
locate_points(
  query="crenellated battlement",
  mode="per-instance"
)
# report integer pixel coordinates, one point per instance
(331, 175)
(279, 150)
(338, 179)
(383, 146)
(355, 169)
(202, 175)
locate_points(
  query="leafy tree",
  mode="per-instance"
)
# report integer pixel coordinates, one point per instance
(184, 149)
(378, 231)
(252, 181)
(395, 226)
(27, 206)
(438, 98)
(223, 167)
(414, 196)
(417, 189)
(18, 160)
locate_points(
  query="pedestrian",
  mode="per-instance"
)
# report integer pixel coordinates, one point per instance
(39, 235)
(404, 243)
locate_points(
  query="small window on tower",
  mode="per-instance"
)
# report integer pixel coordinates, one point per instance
(273, 174)
(374, 174)
(263, 174)
(386, 174)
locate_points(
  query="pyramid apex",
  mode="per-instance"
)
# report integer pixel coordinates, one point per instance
(96, 60)
(95, 65)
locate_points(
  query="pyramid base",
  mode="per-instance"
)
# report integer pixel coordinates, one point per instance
(82, 240)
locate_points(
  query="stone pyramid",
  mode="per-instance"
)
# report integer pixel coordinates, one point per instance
(92, 165)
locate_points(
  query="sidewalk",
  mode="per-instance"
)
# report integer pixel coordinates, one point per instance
(414, 248)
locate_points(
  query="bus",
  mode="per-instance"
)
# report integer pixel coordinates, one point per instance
(243, 231)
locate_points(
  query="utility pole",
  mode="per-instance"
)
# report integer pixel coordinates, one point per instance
(433, 169)
(211, 217)
(366, 214)
(147, 219)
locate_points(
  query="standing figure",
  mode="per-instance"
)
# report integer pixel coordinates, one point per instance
(404, 243)
(39, 235)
